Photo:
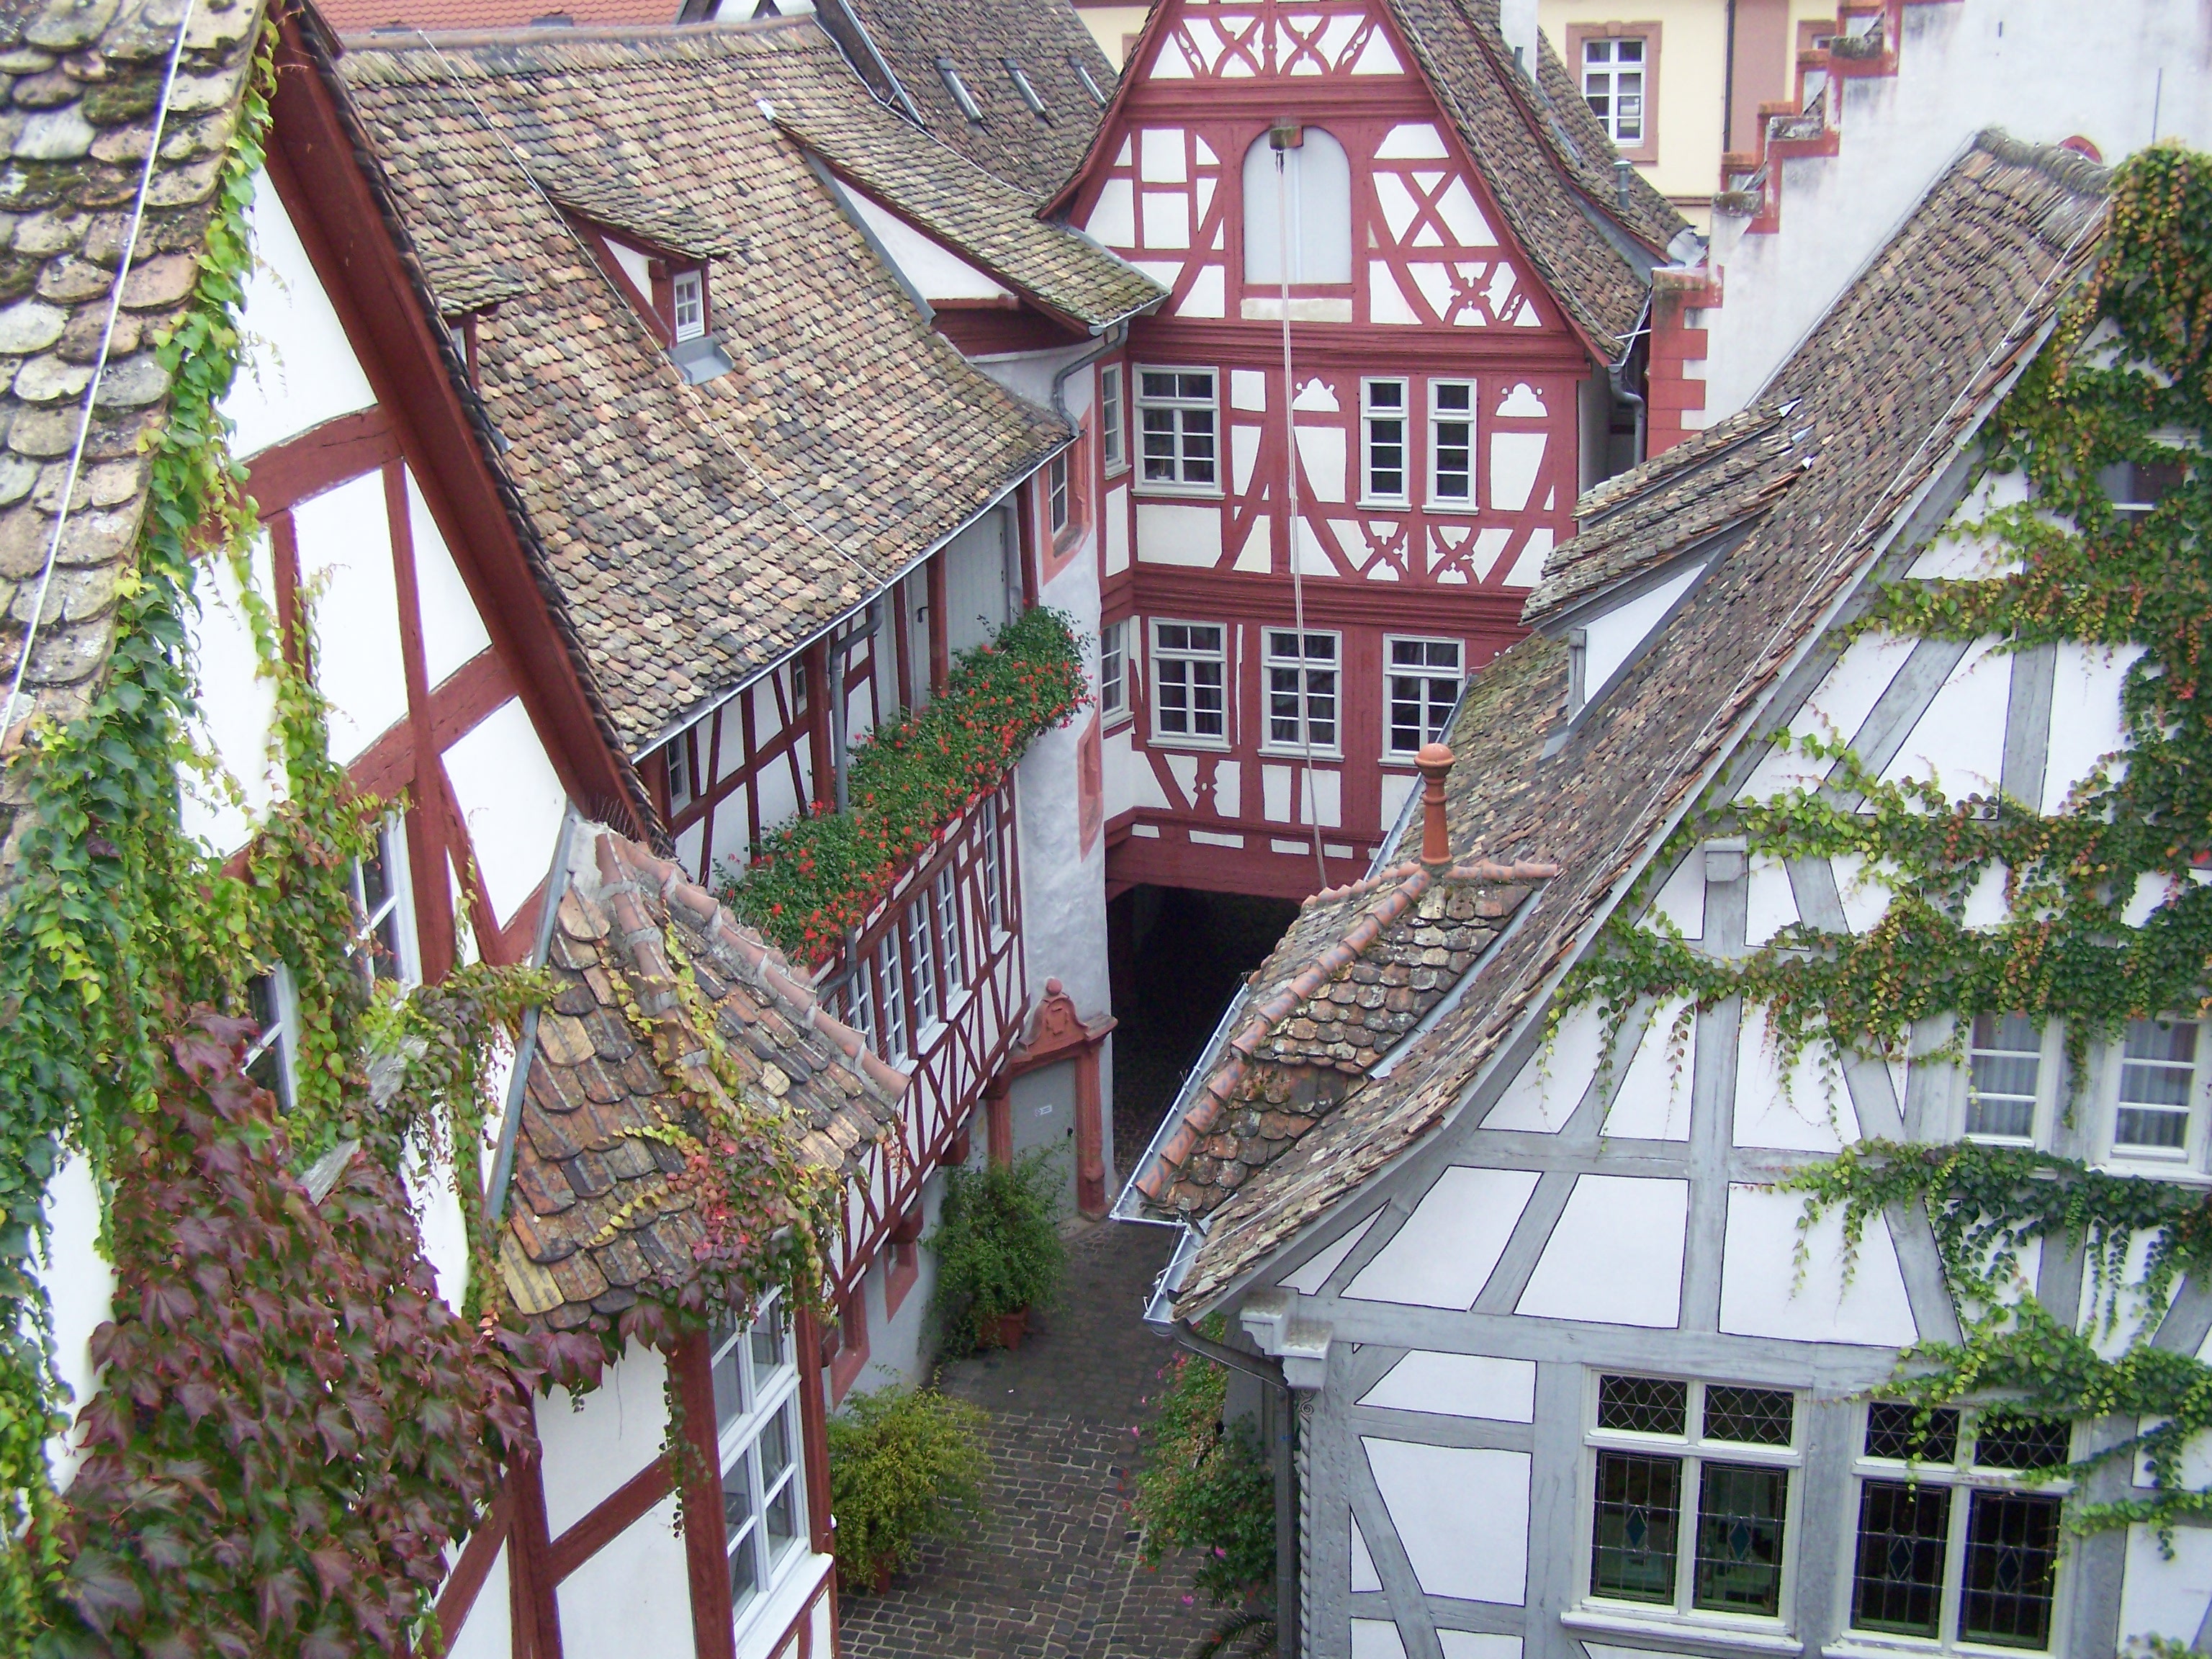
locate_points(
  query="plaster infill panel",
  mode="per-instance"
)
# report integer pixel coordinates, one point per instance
(594, 1443)
(1462, 1514)
(1443, 1255)
(2158, 1597)
(237, 708)
(1615, 1257)
(1377, 1639)
(511, 800)
(1310, 1278)
(1836, 710)
(453, 632)
(1478, 1645)
(1760, 1295)
(634, 1595)
(300, 369)
(345, 542)
(1958, 742)
(2086, 723)
(1178, 533)
(1544, 1094)
(1808, 1110)
(1653, 1103)
(1458, 1385)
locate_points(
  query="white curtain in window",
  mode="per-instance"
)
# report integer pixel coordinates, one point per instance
(1316, 177)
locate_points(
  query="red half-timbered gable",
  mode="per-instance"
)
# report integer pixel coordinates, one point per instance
(1449, 402)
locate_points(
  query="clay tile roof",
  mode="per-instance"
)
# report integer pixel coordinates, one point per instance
(901, 42)
(1890, 387)
(697, 534)
(991, 223)
(593, 1221)
(1358, 970)
(354, 16)
(78, 86)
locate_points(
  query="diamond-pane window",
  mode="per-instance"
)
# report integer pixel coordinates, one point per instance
(1895, 1431)
(1753, 1417)
(1639, 1505)
(1644, 1405)
(2012, 1569)
(2036, 1443)
(1898, 1583)
(1740, 1514)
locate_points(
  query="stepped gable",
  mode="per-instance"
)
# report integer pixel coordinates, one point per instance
(697, 534)
(1637, 521)
(1358, 970)
(894, 46)
(592, 1220)
(79, 85)
(929, 184)
(1892, 385)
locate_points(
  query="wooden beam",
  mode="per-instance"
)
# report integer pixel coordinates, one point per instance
(610, 1517)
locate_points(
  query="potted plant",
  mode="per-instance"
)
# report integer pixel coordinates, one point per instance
(999, 1252)
(904, 1465)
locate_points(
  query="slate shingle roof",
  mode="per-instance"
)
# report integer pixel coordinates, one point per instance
(1358, 970)
(78, 87)
(593, 1216)
(993, 223)
(698, 533)
(1011, 142)
(1893, 381)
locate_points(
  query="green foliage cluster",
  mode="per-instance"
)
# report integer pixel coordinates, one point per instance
(905, 1465)
(821, 874)
(998, 1246)
(2127, 370)
(1205, 1485)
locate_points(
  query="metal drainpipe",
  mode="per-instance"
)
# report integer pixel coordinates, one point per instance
(1112, 337)
(1728, 92)
(1613, 373)
(1279, 1426)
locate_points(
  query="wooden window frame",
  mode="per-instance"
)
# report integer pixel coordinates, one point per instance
(1180, 405)
(1113, 418)
(1646, 153)
(1162, 738)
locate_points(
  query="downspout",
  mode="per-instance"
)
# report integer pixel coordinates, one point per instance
(1280, 1428)
(1728, 95)
(1113, 337)
(1614, 372)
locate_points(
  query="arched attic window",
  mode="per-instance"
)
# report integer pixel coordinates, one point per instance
(1315, 186)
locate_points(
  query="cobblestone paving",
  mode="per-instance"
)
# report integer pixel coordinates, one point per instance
(1051, 1572)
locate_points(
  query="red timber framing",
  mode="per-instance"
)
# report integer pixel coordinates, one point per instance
(1435, 305)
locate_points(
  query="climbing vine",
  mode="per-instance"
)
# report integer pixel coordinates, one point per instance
(2104, 916)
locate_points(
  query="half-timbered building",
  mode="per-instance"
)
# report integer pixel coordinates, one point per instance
(1409, 261)
(1571, 1377)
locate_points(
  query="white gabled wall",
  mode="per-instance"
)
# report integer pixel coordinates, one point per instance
(299, 369)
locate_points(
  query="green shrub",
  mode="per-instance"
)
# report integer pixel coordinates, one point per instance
(1205, 1485)
(998, 1246)
(904, 1466)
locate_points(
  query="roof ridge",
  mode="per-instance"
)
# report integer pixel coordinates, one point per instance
(2061, 165)
(592, 48)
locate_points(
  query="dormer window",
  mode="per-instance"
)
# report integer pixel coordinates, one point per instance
(1090, 85)
(687, 304)
(1029, 93)
(951, 75)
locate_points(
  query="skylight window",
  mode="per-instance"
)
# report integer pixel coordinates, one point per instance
(1028, 92)
(951, 75)
(1083, 74)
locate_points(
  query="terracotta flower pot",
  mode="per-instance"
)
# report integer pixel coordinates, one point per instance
(1008, 1329)
(881, 1583)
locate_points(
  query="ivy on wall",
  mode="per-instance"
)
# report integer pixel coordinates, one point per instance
(821, 874)
(2126, 380)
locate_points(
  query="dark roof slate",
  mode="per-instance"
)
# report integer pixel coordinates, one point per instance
(594, 1218)
(1891, 383)
(699, 533)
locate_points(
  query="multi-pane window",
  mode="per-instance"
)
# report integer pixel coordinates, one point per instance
(921, 962)
(1176, 413)
(1383, 415)
(1301, 689)
(1451, 442)
(1612, 85)
(1114, 669)
(1189, 681)
(1952, 1546)
(1421, 686)
(688, 301)
(947, 891)
(994, 871)
(1690, 1494)
(383, 948)
(2004, 1070)
(1112, 419)
(755, 1384)
(271, 1056)
(675, 755)
(1058, 508)
(860, 1003)
(895, 1022)
(2158, 1085)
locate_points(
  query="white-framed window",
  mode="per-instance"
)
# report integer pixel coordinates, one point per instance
(384, 900)
(2137, 487)
(1059, 506)
(1382, 440)
(272, 1057)
(894, 1022)
(1090, 81)
(755, 1385)
(2158, 1095)
(1451, 443)
(860, 1003)
(1177, 413)
(1028, 93)
(1113, 671)
(921, 962)
(2010, 1073)
(1190, 676)
(1302, 690)
(1692, 1495)
(948, 72)
(1112, 420)
(1612, 86)
(1419, 687)
(948, 929)
(675, 755)
(1952, 1546)
(994, 868)
(687, 291)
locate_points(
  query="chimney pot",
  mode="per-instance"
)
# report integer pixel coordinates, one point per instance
(1435, 760)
